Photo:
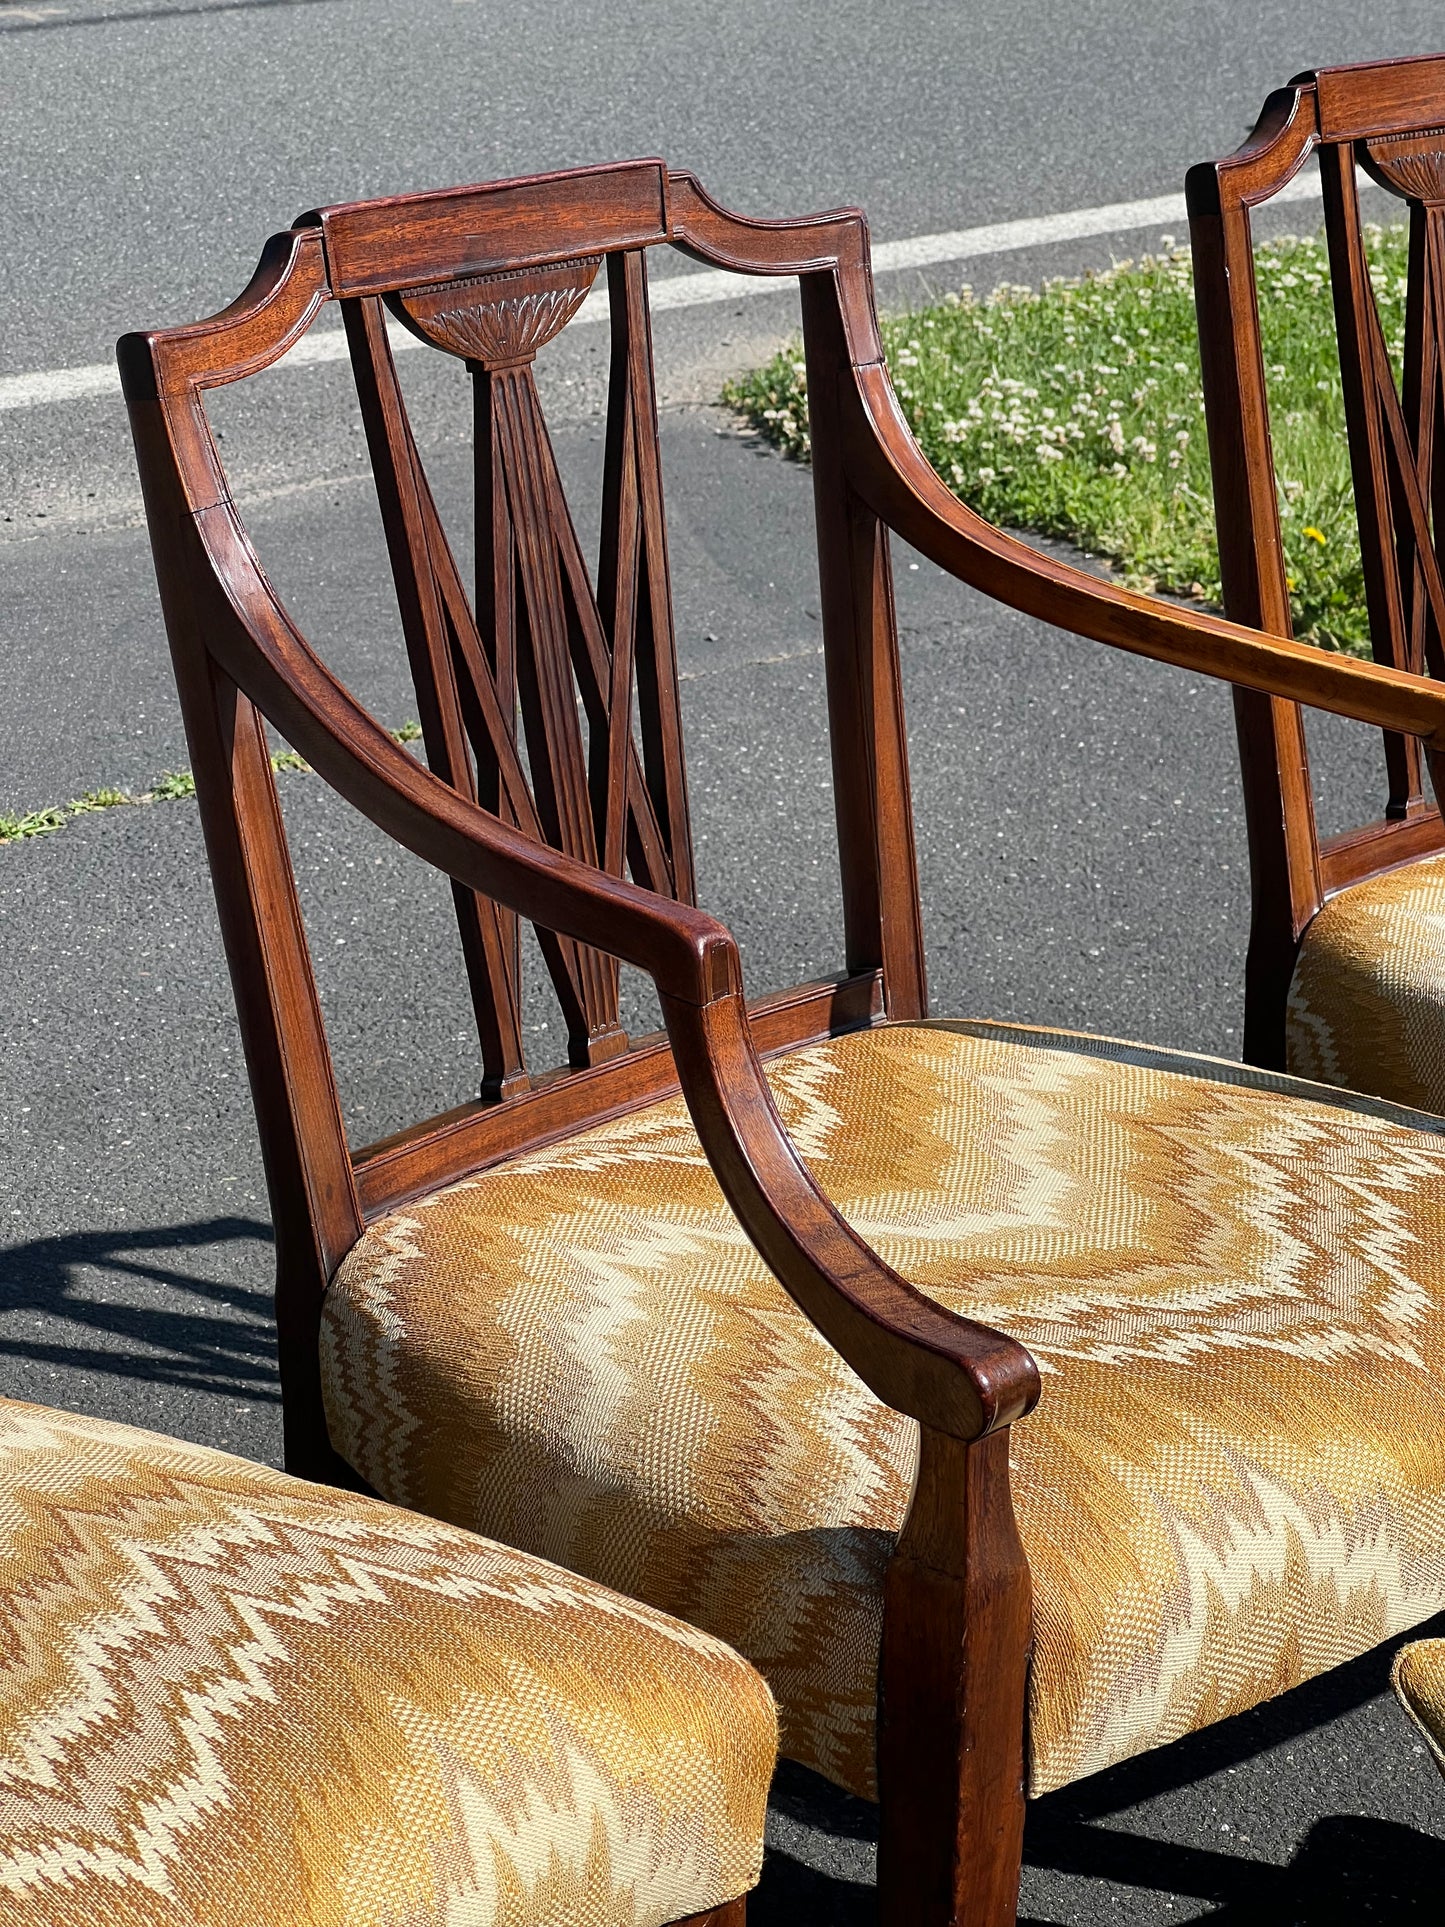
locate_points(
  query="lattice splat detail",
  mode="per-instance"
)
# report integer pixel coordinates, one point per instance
(592, 675)
(1397, 430)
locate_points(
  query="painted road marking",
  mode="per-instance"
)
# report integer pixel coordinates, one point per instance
(51, 385)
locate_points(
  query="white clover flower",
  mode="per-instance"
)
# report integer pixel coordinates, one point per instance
(985, 475)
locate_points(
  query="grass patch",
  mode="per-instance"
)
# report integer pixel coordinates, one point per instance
(1075, 410)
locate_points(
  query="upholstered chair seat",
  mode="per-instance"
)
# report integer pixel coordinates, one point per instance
(1233, 1282)
(229, 1698)
(1367, 1001)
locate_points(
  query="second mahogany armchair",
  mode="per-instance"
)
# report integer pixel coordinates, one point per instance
(750, 1318)
(1346, 971)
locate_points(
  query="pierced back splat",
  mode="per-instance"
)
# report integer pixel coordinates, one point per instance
(1396, 440)
(539, 641)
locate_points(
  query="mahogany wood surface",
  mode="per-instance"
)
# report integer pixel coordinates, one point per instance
(555, 792)
(1385, 118)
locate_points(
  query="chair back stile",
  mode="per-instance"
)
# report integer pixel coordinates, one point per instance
(551, 701)
(1386, 120)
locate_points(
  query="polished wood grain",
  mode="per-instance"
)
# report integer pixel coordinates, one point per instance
(1383, 118)
(586, 836)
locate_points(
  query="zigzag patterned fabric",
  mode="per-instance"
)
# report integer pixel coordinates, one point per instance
(1418, 1677)
(1234, 1284)
(232, 1699)
(1367, 1000)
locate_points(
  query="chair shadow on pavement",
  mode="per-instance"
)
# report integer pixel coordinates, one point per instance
(124, 1304)
(1345, 1867)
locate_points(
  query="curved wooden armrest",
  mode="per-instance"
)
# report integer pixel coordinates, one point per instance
(950, 1373)
(895, 479)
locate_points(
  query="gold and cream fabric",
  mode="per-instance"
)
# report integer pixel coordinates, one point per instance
(232, 1699)
(1367, 1000)
(1418, 1677)
(1234, 1284)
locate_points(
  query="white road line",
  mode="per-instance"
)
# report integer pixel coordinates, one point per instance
(698, 290)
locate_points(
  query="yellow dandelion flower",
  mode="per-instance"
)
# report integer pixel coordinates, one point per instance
(1314, 535)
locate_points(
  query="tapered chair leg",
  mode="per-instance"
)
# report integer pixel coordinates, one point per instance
(957, 1626)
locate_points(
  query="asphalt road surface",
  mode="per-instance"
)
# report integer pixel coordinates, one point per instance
(1081, 837)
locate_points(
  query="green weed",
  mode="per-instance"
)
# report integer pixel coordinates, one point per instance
(175, 784)
(172, 787)
(34, 823)
(98, 800)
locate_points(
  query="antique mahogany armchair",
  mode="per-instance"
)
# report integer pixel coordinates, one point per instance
(230, 1696)
(1346, 971)
(759, 1352)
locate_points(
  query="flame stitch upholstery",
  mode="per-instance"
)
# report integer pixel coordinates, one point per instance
(1234, 1284)
(232, 1699)
(1367, 1001)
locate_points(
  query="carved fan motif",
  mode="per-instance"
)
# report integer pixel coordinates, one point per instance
(498, 318)
(1413, 165)
(540, 646)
